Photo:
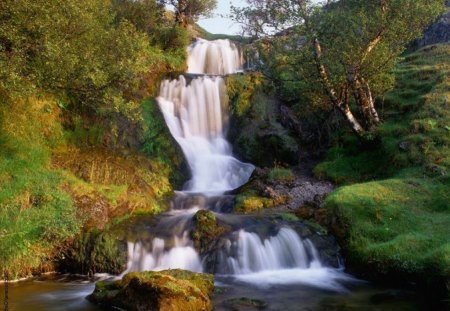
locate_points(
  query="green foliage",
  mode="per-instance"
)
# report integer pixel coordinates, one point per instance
(396, 225)
(346, 49)
(189, 11)
(206, 230)
(203, 33)
(35, 214)
(255, 131)
(399, 224)
(414, 133)
(241, 89)
(94, 61)
(280, 174)
(94, 252)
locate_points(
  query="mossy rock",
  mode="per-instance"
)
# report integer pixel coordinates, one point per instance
(206, 230)
(94, 252)
(168, 290)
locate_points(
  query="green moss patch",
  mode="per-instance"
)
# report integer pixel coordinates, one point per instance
(163, 290)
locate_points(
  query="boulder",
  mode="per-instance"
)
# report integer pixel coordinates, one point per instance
(168, 290)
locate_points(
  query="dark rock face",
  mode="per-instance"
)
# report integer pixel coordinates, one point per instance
(94, 252)
(169, 290)
(438, 32)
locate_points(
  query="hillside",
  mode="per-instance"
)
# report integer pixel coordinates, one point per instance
(393, 214)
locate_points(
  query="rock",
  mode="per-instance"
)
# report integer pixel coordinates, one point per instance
(404, 145)
(206, 230)
(244, 303)
(94, 252)
(168, 290)
(439, 32)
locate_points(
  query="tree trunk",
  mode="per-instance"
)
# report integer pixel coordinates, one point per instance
(363, 99)
(371, 102)
(341, 104)
(180, 14)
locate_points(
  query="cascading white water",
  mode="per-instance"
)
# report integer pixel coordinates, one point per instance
(280, 259)
(196, 114)
(282, 251)
(219, 57)
(181, 256)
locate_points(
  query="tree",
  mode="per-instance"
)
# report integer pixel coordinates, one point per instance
(188, 11)
(353, 44)
(74, 50)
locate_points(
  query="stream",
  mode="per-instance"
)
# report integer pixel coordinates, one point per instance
(276, 264)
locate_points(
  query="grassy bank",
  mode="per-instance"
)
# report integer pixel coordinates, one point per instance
(393, 214)
(56, 183)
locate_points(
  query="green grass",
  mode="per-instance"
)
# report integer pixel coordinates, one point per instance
(393, 215)
(280, 174)
(35, 213)
(398, 224)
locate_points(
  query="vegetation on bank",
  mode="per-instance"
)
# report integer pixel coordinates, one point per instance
(81, 139)
(394, 213)
(347, 47)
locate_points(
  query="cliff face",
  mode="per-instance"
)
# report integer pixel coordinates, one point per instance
(438, 32)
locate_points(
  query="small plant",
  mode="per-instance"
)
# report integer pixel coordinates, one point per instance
(281, 174)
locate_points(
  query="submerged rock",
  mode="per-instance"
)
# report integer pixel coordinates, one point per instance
(244, 303)
(168, 290)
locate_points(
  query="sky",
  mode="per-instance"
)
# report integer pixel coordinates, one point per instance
(221, 25)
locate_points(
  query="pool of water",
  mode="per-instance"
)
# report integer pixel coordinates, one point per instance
(61, 292)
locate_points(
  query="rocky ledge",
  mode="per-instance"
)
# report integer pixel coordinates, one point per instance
(167, 290)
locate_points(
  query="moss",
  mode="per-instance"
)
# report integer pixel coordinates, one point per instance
(163, 290)
(279, 174)
(206, 230)
(255, 131)
(249, 202)
(94, 252)
(392, 226)
(393, 217)
(159, 144)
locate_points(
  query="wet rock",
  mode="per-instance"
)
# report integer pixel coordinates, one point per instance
(206, 230)
(168, 290)
(94, 252)
(245, 304)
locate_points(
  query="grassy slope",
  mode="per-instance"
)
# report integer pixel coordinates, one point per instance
(55, 183)
(393, 216)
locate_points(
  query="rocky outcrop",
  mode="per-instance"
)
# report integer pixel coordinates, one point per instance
(168, 290)
(269, 188)
(255, 130)
(439, 32)
(206, 229)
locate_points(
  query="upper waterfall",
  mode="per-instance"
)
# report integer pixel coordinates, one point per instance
(196, 113)
(219, 57)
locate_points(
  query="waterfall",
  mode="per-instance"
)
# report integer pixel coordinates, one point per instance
(282, 251)
(219, 57)
(196, 113)
(195, 109)
(156, 257)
